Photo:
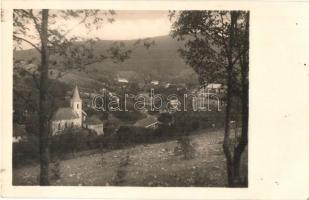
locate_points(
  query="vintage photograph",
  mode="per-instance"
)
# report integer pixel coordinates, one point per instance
(149, 98)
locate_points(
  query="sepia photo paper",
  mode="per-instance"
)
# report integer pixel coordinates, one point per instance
(155, 99)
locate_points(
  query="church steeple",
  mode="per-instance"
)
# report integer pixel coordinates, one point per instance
(76, 102)
(75, 96)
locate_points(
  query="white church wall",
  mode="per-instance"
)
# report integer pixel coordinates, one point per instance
(60, 125)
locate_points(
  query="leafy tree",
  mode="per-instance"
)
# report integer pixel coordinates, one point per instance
(58, 49)
(216, 47)
(165, 118)
(243, 52)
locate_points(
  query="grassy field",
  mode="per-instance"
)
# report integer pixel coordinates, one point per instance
(143, 165)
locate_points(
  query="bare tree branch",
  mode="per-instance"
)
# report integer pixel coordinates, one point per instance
(82, 21)
(223, 39)
(25, 40)
(37, 26)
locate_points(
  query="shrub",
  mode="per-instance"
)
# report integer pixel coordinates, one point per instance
(191, 121)
(26, 152)
(129, 116)
(56, 171)
(184, 148)
(128, 135)
(165, 118)
(71, 141)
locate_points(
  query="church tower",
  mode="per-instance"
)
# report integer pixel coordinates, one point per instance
(76, 102)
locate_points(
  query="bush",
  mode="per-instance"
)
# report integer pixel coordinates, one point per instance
(72, 141)
(26, 152)
(184, 148)
(165, 118)
(191, 121)
(129, 135)
(129, 116)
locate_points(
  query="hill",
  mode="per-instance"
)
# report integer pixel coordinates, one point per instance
(159, 62)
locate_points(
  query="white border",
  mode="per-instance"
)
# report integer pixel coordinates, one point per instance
(279, 103)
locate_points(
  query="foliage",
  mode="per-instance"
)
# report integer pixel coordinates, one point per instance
(184, 148)
(165, 118)
(190, 121)
(122, 169)
(56, 171)
(216, 47)
(26, 151)
(71, 141)
(131, 116)
(132, 135)
(206, 35)
(52, 42)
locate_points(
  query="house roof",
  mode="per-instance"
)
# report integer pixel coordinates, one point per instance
(64, 114)
(146, 121)
(75, 96)
(93, 120)
(214, 86)
(122, 80)
(155, 82)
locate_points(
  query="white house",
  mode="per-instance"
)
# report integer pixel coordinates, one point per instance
(155, 82)
(215, 88)
(122, 80)
(208, 98)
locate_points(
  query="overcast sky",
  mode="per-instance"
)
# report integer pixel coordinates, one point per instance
(127, 25)
(131, 25)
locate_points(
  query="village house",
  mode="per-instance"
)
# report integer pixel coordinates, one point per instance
(215, 88)
(208, 97)
(122, 80)
(94, 124)
(149, 122)
(154, 82)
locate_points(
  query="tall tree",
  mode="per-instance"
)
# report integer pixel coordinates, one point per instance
(43, 102)
(44, 40)
(214, 45)
(58, 49)
(243, 52)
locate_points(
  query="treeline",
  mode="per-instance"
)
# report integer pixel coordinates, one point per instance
(72, 142)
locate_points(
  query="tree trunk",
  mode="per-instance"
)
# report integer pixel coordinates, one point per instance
(234, 158)
(43, 99)
(244, 132)
(244, 64)
(226, 143)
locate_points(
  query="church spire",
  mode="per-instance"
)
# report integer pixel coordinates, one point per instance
(75, 96)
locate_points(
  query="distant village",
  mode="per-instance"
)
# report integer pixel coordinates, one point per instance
(74, 115)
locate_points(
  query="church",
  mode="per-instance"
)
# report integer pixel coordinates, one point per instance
(74, 117)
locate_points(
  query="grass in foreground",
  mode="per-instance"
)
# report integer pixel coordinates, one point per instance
(143, 165)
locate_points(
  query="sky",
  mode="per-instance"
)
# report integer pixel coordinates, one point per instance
(127, 25)
(131, 25)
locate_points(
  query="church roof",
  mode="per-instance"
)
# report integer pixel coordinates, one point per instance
(75, 96)
(65, 114)
(93, 120)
